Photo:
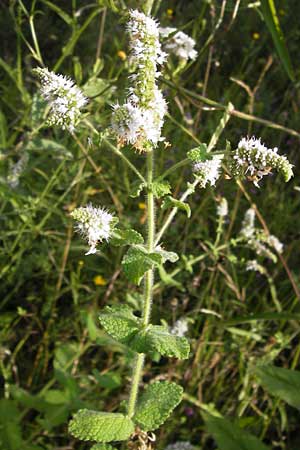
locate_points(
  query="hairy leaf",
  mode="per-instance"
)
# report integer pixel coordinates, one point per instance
(156, 404)
(160, 188)
(157, 338)
(137, 261)
(231, 437)
(119, 322)
(97, 426)
(137, 188)
(126, 237)
(170, 202)
(167, 256)
(283, 383)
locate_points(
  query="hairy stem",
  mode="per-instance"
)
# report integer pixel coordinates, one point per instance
(149, 280)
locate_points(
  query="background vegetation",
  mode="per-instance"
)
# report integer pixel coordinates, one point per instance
(54, 358)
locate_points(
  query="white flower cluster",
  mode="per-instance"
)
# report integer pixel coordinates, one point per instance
(248, 224)
(180, 445)
(222, 208)
(254, 266)
(94, 224)
(208, 172)
(254, 160)
(139, 120)
(258, 240)
(180, 327)
(179, 43)
(64, 97)
(16, 171)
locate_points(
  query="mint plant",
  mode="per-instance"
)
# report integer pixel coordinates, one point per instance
(138, 123)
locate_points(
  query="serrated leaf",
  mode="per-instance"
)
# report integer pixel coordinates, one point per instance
(157, 338)
(283, 383)
(123, 326)
(229, 436)
(97, 426)
(137, 261)
(156, 404)
(137, 188)
(102, 447)
(119, 322)
(170, 202)
(160, 188)
(199, 154)
(167, 256)
(126, 237)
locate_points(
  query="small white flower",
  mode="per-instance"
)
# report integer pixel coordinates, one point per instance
(64, 97)
(180, 44)
(208, 172)
(254, 266)
(180, 327)
(248, 224)
(222, 208)
(254, 160)
(275, 243)
(94, 224)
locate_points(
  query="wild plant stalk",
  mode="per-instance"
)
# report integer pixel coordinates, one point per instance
(138, 122)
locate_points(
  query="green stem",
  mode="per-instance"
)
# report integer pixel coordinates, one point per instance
(149, 280)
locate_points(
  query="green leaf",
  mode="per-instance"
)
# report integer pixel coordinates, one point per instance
(170, 202)
(157, 338)
(97, 426)
(95, 86)
(126, 237)
(160, 188)
(137, 188)
(229, 436)
(283, 383)
(271, 18)
(199, 154)
(137, 261)
(123, 326)
(156, 404)
(166, 256)
(102, 447)
(119, 322)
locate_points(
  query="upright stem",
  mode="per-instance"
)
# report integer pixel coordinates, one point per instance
(149, 280)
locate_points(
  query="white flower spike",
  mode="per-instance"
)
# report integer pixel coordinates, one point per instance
(254, 160)
(64, 97)
(139, 120)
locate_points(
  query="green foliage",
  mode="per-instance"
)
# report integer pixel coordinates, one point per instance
(170, 202)
(283, 383)
(199, 154)
(97, 426)
(271, 18)
(156, 404)
(123, 326)
(161, 188)
(137, 261)
(126, 237)
(156, 338)
(119, 322)
(230, 437)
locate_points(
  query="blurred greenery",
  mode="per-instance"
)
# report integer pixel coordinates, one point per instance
(54, 357)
